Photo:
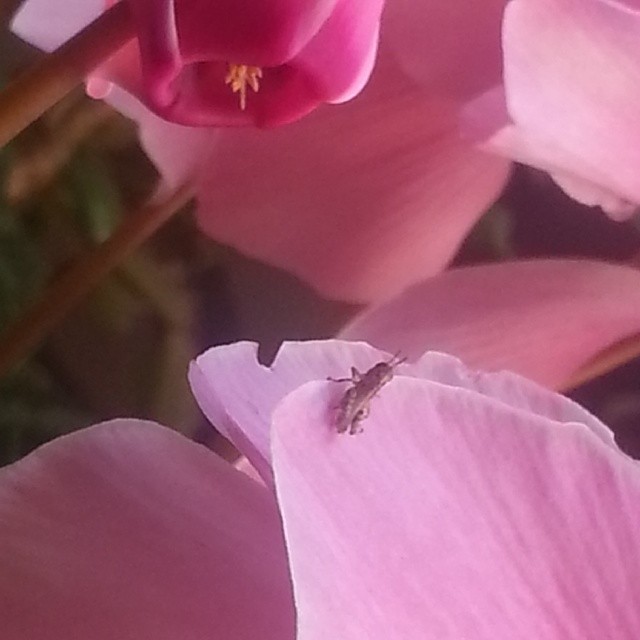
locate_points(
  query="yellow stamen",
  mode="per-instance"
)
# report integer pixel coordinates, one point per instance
(239, 77)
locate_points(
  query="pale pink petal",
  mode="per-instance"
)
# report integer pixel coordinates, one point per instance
(452, 46)
(122, 70)
(454, 516)
(176, 150)
(129, 530)
(572, 78)
(49, 23)
(485, 120)
(238, 394)
(242, 464)
(543, 319)
(360, 200)
(507, 387)
(593, 195)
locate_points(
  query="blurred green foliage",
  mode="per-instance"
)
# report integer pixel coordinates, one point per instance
(34, 406)
(65, 185)
(92, 195)
(33, 410)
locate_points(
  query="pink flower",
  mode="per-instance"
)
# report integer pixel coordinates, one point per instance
(360, 200)
(473, 506)
(227, 62)
(570, 103)
(543, 319)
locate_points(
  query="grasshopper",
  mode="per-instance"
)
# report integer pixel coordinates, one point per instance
(354, 404)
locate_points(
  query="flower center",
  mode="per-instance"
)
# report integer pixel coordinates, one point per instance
(239, 77)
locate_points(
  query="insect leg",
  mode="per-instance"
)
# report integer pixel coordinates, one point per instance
(396, 359)
(361, 414)
(355, 378)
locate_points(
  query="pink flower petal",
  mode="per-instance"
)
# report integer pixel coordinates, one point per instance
(176, 150)
(362, 201)
(486, 121)
(571, 79)
(308, 52)
(506, 387)
(185, 61)
(238, 395)
(261, 32)
(454, 516)
(129, 530)
(543, 319)
(353, 28)
(591, 194)
(454, 46)
(391, 184)
(242, 464)
(50, 23)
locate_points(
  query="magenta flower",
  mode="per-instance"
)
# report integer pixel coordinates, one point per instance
(472, 506)
(227, 62)
(359, 200)
(570, 102)
(364, 199)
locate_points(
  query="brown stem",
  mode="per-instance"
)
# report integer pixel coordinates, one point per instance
(70, 288)
(39, 88)
(607, 360)
(611, 358)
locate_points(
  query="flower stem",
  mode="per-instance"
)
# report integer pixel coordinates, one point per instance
(610, 358)
(33, 92)
(71, 287)
(607, 360)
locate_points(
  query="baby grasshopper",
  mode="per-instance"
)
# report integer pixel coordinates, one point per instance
(354, 404)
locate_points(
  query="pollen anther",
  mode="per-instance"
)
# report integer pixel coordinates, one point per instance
(241, 76)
